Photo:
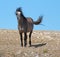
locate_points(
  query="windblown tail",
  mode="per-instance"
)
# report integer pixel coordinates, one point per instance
(38, 21)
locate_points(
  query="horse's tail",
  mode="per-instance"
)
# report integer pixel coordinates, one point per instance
(38, 21)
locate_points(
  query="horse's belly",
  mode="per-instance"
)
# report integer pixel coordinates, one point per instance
(30, 28)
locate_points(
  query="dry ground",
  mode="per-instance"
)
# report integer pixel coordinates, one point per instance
(44, 44)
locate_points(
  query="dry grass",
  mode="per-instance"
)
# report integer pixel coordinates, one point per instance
(44, 44)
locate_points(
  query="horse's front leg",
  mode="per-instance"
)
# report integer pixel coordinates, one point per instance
(25, 39)
(21, 39)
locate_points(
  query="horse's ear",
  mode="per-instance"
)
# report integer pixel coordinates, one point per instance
(19, 9)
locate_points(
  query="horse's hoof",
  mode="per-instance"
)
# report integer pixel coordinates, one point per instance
(21, 45)
(29, 45)
(24, 45)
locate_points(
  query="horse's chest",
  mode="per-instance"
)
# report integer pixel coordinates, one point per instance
(20, 28)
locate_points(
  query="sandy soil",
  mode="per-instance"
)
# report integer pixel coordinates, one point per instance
(44, 44)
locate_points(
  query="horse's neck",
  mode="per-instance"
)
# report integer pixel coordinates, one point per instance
(22, 20)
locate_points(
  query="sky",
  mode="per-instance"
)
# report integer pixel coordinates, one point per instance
(50, 9)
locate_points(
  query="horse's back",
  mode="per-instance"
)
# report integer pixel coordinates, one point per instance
(30, 24)
(29, 19)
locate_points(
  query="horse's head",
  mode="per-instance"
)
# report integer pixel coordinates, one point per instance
(18, 12)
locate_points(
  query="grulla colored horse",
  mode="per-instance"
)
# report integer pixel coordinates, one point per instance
(26, 24)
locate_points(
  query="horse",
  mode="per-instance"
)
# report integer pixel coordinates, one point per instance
(25, 25)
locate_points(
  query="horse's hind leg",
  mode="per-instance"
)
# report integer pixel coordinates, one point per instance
(30, 38)
(25, 39)
(21, 39)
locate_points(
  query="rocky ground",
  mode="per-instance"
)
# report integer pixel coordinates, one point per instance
(44, 44)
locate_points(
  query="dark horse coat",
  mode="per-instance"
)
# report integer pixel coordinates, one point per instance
(26, 24)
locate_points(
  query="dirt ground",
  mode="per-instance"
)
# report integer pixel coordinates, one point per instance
(44, 44)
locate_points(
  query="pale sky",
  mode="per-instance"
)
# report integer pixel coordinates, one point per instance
(50, 9)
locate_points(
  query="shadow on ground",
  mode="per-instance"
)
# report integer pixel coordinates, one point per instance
(38, 45)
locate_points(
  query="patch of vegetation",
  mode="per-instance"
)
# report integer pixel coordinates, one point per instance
(45, 51)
